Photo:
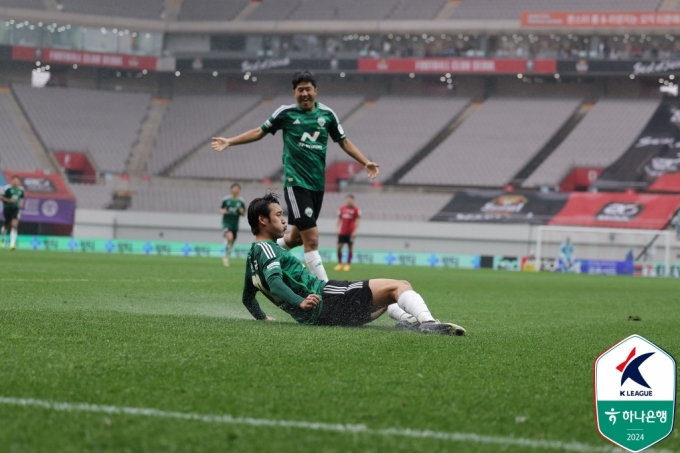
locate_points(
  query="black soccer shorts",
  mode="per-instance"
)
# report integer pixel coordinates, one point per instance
(304, 206)
(10, 214)
(345, 239)
(346, 303)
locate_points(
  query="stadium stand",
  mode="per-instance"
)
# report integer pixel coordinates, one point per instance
(103, 123)
(273, 10)
(25, 4)
(512, 9)
(494, 143)
(374, 206)
(418, 10)
(192, 120)
(389, 206)
(257, 160)
(600, 138)
(394, 128)
(350, 10)
(147, 9)
(211, 9)
(15, 152)
(89, 196)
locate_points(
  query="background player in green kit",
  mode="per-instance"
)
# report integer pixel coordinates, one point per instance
(232, 208)
(277, 274)
(12, 201)
(306, 127)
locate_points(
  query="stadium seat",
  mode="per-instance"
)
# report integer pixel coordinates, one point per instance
(257, 160)
(374, 206)
(15, 152)
(192, 120)
(601, 137)
(25, 4)
(345, 10)
(512, 9)
(394, 128)
(103, 123)
(147, 9)
(273, 10)
(494, 143)
(418, 10)
(211, 10)
(90, 196)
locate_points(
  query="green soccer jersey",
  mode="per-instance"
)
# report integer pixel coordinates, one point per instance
(282, 279)
(305, 137)
(13, 193)
(231, 218)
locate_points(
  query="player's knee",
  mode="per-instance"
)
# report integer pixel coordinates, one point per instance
(404, 285)
(312, 241)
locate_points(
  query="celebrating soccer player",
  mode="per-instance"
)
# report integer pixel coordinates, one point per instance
(283, 280)
(346, 229)
(306, 127)
(231, 208)
(12, 201)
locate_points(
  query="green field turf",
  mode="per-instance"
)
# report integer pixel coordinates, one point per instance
(170, 334)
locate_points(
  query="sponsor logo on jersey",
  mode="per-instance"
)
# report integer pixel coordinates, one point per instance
(312, 138)
(296, 122)
(505, 204)
(306, 136)
(619, 212)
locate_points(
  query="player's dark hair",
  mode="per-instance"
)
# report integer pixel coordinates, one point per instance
(302, 77)
(15, 177)
(349, 195)
(236, 185)
(260, 207)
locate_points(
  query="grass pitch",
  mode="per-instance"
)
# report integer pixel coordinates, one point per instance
(171, 334)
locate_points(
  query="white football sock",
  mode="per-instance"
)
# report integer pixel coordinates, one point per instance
(2, 232)
(396, 313)
(411, 302)
(315, 265)
(227, 251)
(282, 244)
(13, 237)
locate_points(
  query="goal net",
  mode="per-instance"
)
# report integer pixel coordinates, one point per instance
(612, 251)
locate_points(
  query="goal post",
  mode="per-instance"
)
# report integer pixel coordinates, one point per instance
(602, 250)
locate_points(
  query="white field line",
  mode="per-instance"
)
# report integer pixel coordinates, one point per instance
(305, 425)
(107, 280)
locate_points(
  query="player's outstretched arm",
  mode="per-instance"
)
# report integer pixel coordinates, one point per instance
(353, 151)
(219, 144)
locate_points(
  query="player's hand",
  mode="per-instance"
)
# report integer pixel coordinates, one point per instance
(310, 302)
(372, 169)
(219, 144)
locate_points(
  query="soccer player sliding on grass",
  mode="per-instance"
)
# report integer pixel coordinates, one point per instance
(306, 127)
(283, 280)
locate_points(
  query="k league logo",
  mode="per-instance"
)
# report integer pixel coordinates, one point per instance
(635, 382)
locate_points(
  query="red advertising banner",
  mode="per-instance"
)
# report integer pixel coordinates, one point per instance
(457, 65)
(106, 60)
(617, 210)
(605, 19)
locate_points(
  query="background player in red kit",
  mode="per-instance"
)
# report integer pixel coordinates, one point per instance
(346, 228)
